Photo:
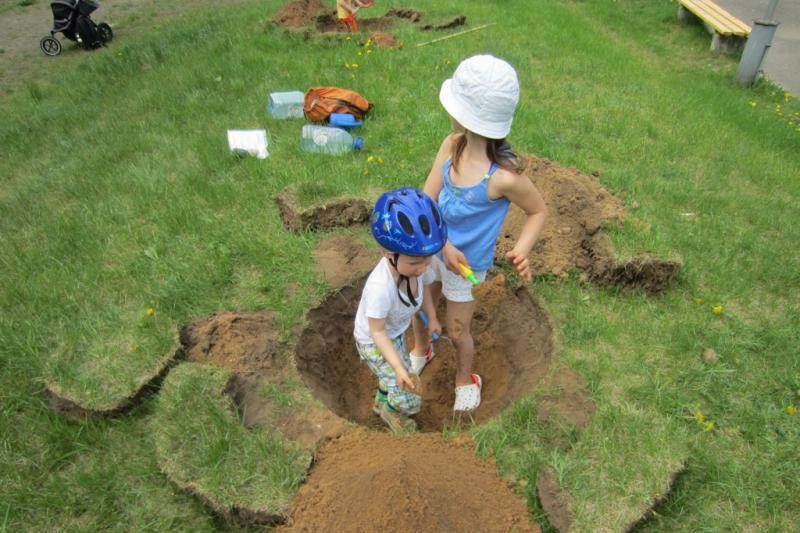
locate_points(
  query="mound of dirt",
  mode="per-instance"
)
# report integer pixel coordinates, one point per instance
(572, 239)
(367, 481)
(513, 344)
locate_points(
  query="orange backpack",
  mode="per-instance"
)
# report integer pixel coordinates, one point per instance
(320, 102)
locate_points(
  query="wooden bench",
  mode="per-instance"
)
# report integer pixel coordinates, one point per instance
(728, 32)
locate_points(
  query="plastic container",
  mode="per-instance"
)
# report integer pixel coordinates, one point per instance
(322, 139)
(343, 120)
(288, 104)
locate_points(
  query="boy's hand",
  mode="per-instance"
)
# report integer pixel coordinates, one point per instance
(520, 262)
(405, 381)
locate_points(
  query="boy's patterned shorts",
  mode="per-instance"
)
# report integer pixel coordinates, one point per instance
(405, 402)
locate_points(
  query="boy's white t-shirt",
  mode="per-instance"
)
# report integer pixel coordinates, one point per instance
(379, 299)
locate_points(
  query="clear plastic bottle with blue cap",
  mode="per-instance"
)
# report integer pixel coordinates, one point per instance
(287, 104)
(327, 140)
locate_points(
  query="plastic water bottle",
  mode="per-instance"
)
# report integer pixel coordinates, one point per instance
(287, 104)
(327, 140)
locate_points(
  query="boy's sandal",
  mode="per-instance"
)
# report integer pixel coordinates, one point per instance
(418, 362)
(468, 397)
(397, 421)
(376, 403)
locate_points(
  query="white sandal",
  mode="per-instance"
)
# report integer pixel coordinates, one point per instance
(418, 362)
(468, 397)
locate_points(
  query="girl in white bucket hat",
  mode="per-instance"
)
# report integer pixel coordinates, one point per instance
(474, 178)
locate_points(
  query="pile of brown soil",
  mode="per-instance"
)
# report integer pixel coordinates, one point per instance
(367, 481)
(341, 212)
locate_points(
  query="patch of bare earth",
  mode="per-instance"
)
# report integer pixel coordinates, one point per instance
(21, 28)
(249, 344)
(368, 481)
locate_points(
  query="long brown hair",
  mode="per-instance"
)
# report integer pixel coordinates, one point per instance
(498, 151)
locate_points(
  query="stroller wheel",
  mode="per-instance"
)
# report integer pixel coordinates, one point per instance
(105, 32)
(50, 46)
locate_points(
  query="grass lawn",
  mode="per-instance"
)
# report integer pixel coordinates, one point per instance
(118, 196)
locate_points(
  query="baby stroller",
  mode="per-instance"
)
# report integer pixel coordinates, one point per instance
(72, 18)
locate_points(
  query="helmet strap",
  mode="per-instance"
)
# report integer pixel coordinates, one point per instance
(411, 302)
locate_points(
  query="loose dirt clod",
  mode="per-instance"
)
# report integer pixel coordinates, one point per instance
(368, 481)
(554, 500)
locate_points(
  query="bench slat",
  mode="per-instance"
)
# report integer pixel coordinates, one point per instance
(722, 21)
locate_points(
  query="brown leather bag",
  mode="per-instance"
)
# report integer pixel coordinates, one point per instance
(320, 102)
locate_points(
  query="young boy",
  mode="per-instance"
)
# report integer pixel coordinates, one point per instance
(408, 225)
(346, 12)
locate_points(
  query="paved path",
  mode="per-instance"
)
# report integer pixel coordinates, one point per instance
(782, 63)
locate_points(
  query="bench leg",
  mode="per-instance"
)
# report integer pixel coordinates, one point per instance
(684, 14)
(730, 44)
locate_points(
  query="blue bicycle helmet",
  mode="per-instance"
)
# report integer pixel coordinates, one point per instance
(407, 221)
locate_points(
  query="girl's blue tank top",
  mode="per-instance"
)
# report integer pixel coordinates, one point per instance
(473, 219)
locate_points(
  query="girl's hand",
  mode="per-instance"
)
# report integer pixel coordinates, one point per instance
(520, 262)
(452, 257)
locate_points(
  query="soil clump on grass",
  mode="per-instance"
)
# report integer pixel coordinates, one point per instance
(513, 351)
(340, 212)
(368, 481)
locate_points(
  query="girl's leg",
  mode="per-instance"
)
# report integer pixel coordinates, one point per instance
(459, 320)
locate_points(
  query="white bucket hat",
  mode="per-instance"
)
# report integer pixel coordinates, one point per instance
(482, 95)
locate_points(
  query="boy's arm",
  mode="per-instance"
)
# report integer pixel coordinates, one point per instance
(522, 193)
(377, 328)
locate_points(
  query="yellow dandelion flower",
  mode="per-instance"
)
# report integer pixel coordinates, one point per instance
(699, 416)
(791, 410)
(753, 104)
(149, 311)
(709, 425)
(380, 160)
(370, 159)
(717, 309)
(368, 43)
(359, 53)
(347, 65)
(353, 65)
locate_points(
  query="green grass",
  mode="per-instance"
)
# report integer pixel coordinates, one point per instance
(118, 194)
(210, 452)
